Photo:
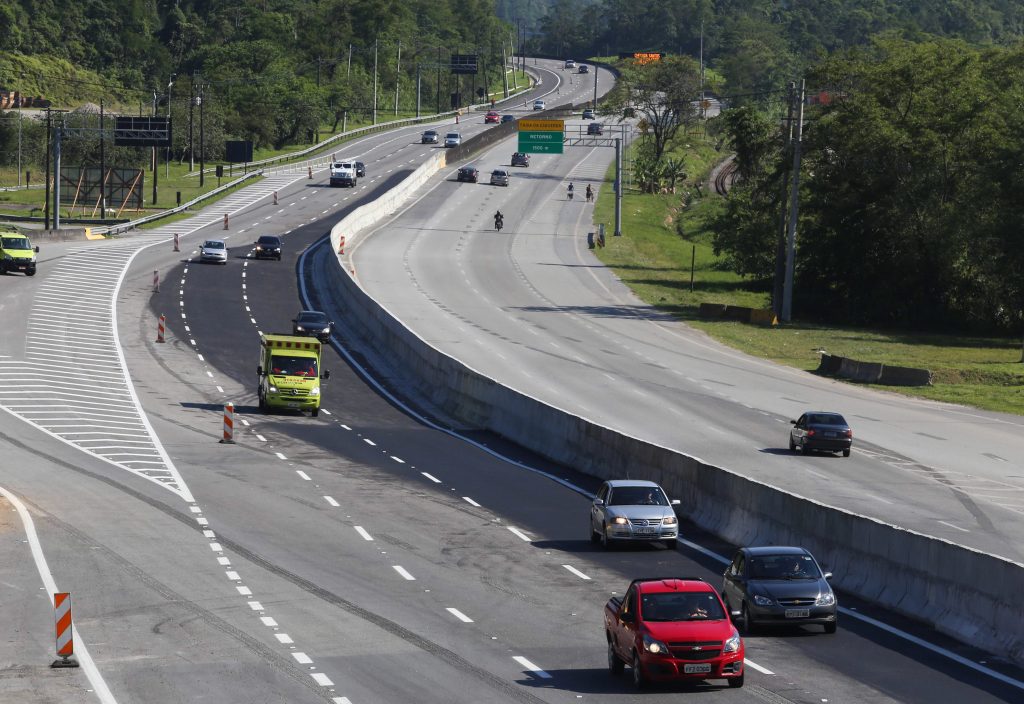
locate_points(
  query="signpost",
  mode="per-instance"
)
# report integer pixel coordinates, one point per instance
(541, 136)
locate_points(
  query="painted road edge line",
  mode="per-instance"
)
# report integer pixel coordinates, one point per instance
(531, 667)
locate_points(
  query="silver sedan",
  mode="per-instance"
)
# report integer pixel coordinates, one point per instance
(214, 251)
(633, 509)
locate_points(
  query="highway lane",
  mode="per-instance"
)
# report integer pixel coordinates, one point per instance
(533, 308)
(374, 633)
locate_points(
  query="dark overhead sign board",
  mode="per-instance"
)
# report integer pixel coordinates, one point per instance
(464, 63)
(142, 131)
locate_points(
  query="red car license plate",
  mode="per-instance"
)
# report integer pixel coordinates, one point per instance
(697, 669)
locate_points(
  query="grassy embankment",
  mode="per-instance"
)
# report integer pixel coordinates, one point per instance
(653, 257)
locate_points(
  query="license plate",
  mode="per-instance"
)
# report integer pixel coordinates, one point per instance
(294, 404)
(798, 613)
(646, 531)
(697, 669)
(829, 434)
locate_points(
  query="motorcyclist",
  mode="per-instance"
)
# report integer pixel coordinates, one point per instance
(570, 190)
(499, 220)
(590, 193)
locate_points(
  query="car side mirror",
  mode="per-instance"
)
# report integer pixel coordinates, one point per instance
(735, 613)
(326, 374)
(675, 502)
(626, 618)
(259, 370)
(37, 249)
(827, 576)
(599, 502)
(792, 422)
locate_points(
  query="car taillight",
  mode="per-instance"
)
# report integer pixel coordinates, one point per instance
(848, 433)
(810, 433)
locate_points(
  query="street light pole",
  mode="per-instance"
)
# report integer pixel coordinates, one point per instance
(787, 293)
(167, 152)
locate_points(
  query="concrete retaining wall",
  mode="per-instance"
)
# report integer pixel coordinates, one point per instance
(969, 595)
(873, 372)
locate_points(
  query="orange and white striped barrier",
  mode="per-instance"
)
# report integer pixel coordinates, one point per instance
(229, 424)
(225, 221)
(275, 197)
(65, 641)
(341, 245)
(311, 172)
(156, 282)
(176, 248)
(160, 327)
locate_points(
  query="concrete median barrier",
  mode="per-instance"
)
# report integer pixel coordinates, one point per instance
(969, 595)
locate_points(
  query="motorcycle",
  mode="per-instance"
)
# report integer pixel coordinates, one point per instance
(499, 223)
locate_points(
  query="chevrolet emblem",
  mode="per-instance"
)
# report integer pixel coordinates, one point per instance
(696, 648)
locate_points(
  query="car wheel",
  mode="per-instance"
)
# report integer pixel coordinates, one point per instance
(737, 682)
(606, 542)
(846, 452)
(615, 664)
(263, 403)
(670, 543)
(30, 273)
(639, 681)
(831, 627)
(744, 624)
(792, 445)
(594, 537)
(314, 413)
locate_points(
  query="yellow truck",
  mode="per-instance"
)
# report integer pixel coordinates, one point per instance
(290, 373)
(16, 253)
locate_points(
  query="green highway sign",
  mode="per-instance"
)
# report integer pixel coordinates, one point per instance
(541, 142)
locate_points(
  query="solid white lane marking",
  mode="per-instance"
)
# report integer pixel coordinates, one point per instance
(283, 638)
(331, 501)
(362, 532)
(368, 441)
(280, 456)
(459, 615)
(431, 477)
(268, 621)
(531, 667)
(302, 658)
(811, 471)
(322, 679)
(759, 668)
(946, 523)
(303, 475)
(470, 501)
(85, 660)
(399, 460)
(576, 572)
(519, 533)
(404, 572)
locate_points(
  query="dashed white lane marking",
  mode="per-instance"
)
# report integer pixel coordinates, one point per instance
(431, 477)
(244, 591)
(92, 673)
(531, 667)
(817, 474)
(202, 521)
(268, 621)
(280, 456)
(341, 700)
(302, 658)
(470, 501)
(399, 460)
(576, 572)
(283, 638)
(362, 532)
(345, 427)
(759, 668)
(322, 679)
(459, 615)
(519, 533)
(303, 475)
(946, 523)
(404, 572)
(331, 501)
(215, 547)
(233, 576)
(209, 374)
(220, 389)
(326, 411)
(368, 441)
(260, 438)
(195, 509)
(255, 606)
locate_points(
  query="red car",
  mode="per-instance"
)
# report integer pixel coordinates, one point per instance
(492, 116)
(673, 629)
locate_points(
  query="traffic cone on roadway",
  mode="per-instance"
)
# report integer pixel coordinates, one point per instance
(225, 221)
(160, 328)
(229, 424)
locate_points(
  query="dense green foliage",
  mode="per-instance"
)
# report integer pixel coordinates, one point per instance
(910, 206)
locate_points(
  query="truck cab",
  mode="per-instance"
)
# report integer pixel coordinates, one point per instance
(17, 253)
(673, 628)
(343, 173)
(290, 374)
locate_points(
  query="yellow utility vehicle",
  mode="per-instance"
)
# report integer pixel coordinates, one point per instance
(290, 374)
(16, 252)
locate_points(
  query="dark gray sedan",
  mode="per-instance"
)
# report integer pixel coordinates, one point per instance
(774, 585)
(313, 323)
(821, 430)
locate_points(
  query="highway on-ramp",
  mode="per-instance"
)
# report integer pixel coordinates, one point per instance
(362, 556)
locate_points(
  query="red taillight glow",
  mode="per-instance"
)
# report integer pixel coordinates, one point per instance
(848, 433)
(810, 433)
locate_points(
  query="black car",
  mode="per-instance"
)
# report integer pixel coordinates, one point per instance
(508, 118)
(267, 247)
(313, 323)
(469, 173)
(774, 585)
(520, 159)
(360, 169)
(821, 430)
(595, 128)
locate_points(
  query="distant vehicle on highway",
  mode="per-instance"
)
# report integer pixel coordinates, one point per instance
(821, 430)
(430, 137)
(499, 177)
(267, 247)
(631, 510)
(452, 139)
(360, 169)
(313, 323)
(595, 128)
(214, 251)
(583, 68)
(17, 253)
(539, 105)
(492, 116)
(508, 118)
(776, 585)
(569, 63)
(589, 114)
(520, 159)
(468, 173)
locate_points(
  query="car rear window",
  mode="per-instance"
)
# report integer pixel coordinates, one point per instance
(826, 419)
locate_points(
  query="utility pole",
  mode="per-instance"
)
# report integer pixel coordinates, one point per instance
(348, 76)
(46, 200)
(56, 178)
(191, 112)
(202, 136)
(419, 87)
(167, 152)
(103, 168)
(794, 202)
(703, 112)
(156, 173)
(512, 48)
(375, 81)
(780, 244)
(19, 141)
(504, 68)
(618, 186)
(398, 74)
(438, 111)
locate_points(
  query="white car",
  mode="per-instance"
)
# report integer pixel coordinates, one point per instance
(214, 251)
(539, 105)
(499, 177)
(631, 510)
(452, 139)
(569, 63)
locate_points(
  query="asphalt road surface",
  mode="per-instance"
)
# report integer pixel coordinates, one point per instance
(359, 557)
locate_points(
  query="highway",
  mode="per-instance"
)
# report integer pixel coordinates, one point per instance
(361, 557)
